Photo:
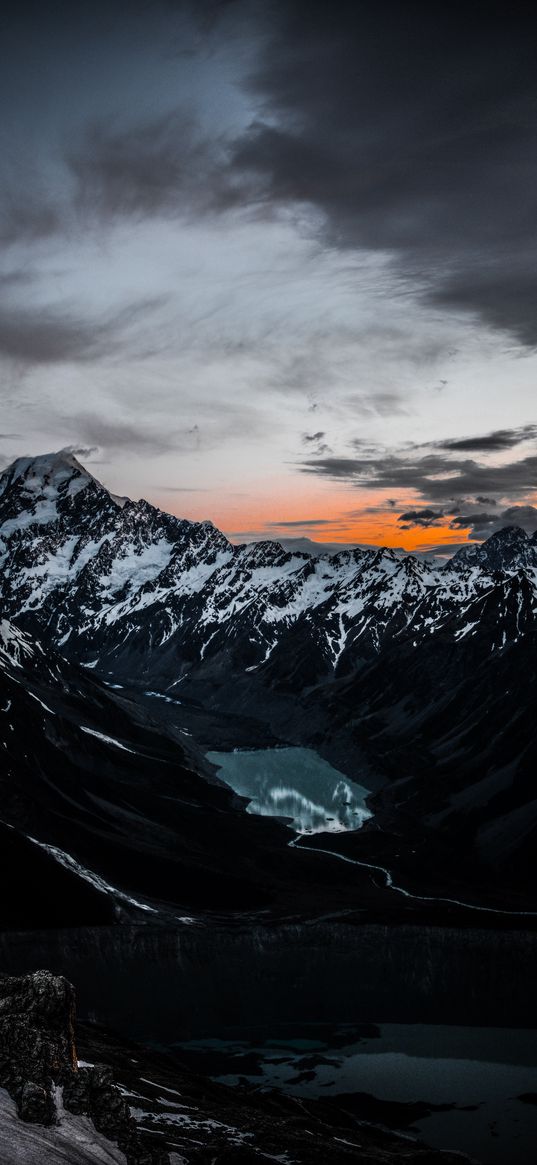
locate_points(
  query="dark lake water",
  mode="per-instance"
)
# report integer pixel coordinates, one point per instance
(474, 1077)
(294, 783)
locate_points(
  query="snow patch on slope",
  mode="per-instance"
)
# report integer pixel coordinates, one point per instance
(73, 1139)
(14, 645)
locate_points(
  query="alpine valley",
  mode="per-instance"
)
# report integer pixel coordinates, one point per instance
(137, 652)
(415, 677)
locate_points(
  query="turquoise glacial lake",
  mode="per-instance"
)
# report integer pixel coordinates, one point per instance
(295, 783)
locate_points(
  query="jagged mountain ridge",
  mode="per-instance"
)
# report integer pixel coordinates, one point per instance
(112, 582)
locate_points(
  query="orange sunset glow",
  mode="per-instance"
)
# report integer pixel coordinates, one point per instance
(341, 516)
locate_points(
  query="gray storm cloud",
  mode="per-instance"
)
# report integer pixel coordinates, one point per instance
(276, 240)
(413, 129)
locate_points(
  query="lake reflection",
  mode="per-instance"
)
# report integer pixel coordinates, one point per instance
(294, 783)
(473, 1089)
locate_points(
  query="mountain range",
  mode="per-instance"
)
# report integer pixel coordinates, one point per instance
(106, 580)
(419, 674)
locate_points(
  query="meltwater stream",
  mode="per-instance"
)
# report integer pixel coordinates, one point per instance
(296, 783)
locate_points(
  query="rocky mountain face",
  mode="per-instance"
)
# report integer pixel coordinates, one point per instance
(128, 1106)
(121, 586)
(452, 728)
(424, 673)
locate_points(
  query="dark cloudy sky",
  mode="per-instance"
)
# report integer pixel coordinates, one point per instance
(276, 263)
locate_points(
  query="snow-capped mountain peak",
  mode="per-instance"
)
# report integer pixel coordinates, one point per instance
(48, 470)
(508, 548)
(112, 584)
(49, 475)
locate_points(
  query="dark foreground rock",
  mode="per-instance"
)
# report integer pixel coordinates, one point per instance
(39, 1069)
(37, 1014)
(125, 1105)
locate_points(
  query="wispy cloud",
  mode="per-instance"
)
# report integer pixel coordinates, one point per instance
(433, 477)
(27, 214)
(56, 334)
(494, 442)
(425, 518)
(162, 167)
(114, 435)
(438, 475)
(301, 522)
(483, 525)
(181, 489)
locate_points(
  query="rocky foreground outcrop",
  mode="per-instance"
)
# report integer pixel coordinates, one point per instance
(140, 1108)
(39, 1069)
